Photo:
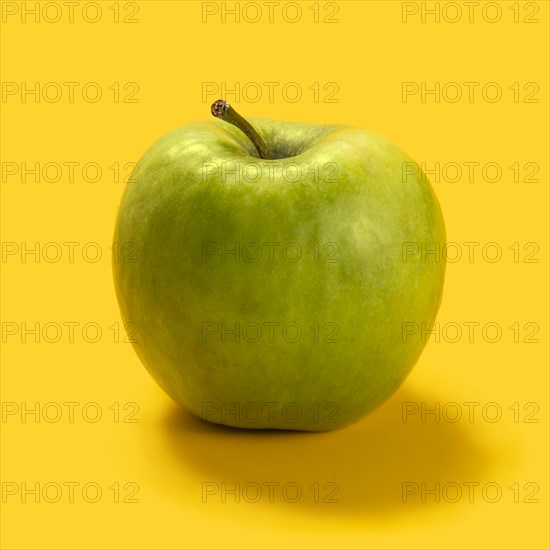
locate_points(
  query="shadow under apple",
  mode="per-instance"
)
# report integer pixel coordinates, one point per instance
(360, 469)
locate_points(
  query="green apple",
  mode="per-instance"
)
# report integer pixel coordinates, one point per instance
(272, 271)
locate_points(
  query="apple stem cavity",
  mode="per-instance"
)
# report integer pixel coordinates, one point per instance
(221, 109)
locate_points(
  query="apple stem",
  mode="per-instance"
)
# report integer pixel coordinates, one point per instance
(222, 109)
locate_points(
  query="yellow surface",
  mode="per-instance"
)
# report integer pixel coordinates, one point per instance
(165, 479)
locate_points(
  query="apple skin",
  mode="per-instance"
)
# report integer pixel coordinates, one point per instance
(177, 201)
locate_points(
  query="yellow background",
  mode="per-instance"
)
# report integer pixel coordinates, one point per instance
(169, 52)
